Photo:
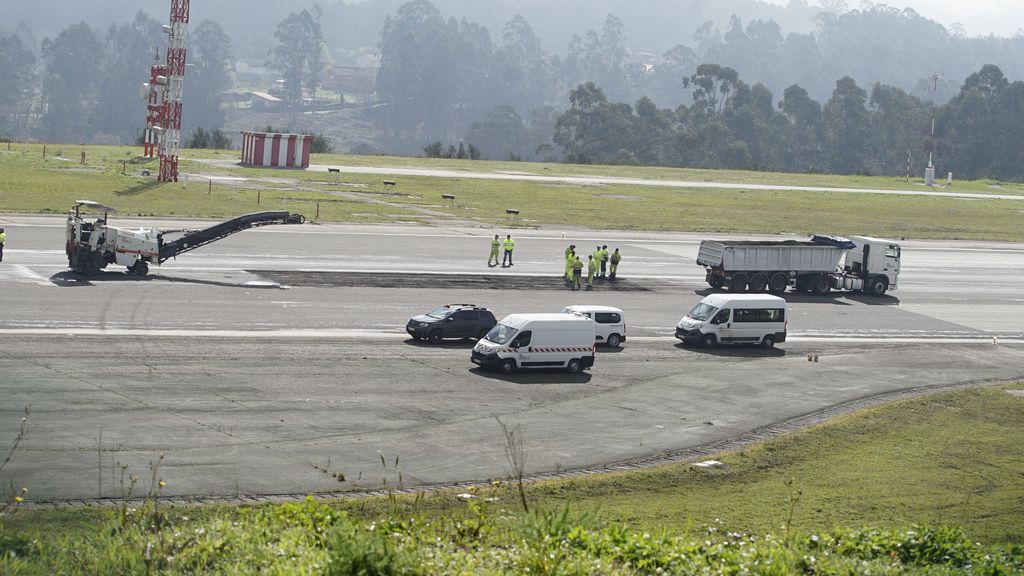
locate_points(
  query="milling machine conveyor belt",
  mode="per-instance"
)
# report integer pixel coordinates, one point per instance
(193, 240)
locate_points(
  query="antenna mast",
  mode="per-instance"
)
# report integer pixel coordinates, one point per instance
(165, 91)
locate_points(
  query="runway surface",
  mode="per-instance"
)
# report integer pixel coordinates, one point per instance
(275, 360)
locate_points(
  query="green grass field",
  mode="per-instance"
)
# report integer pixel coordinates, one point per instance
(30, 183)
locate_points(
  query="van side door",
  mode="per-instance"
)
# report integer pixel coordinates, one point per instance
(721, 325)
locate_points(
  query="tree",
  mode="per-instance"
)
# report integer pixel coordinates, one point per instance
(73, 62)
(898, 125)
(129, 51)
(16, 79)
(712, 86)
(847, 128)
(502, 135)
(804, 133)
(298, 56)
(208, 76)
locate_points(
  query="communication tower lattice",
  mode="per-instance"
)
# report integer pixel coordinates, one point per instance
(163, 116)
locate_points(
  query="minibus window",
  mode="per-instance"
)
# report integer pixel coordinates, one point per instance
(722, 317)
(771, 315)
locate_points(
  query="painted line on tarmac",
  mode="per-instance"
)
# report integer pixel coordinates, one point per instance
(348, 333)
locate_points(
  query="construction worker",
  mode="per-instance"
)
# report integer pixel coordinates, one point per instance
(569, 250)
(577, 272)
(3, 240)
(510, 245)
(570, 259)
(615, 258)
(495, 245)
(604, 258)
(591, 269)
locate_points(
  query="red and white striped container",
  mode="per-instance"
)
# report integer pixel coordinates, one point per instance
(276, 150)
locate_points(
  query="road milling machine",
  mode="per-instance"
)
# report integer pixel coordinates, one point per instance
(93, 244)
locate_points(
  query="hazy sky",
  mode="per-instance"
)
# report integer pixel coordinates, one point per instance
(979, 17)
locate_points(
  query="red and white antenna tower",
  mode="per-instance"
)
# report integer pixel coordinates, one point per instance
(163, 116)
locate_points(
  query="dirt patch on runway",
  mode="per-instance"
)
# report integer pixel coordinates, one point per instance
(433, 281)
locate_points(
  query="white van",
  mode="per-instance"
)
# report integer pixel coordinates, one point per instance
(735, 319)
(609, 323)
(538, 341)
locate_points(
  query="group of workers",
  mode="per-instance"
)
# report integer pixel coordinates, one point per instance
(597, 266)
(601, 264)
(509, 244)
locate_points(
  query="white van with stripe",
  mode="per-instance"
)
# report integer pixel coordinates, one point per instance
(538, 341)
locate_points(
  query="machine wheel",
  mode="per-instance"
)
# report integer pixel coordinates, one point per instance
(708, 341)
(435, 337)
(574, 366)
(778, 283)
(482, 334)
(820, 285)
(716, 281)
(140, 268)
(738, 283)
(758, 282)
(614, 340)
(768, 342)
(878, 286)
(507, 366)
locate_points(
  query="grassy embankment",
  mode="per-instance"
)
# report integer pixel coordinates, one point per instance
(31, 184)
(786, 506)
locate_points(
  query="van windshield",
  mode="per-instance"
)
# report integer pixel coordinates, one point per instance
(501, 334)
(702, 312)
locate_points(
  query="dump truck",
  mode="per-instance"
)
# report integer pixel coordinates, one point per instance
(824, 263)
(91, 245)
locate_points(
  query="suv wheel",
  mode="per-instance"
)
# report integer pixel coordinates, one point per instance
(436, 337)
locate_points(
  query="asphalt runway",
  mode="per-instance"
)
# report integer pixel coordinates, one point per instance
(275, 362)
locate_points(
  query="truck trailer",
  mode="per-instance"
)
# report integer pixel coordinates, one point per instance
(824, 263)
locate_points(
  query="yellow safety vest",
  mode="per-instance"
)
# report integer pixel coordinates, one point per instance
(509, 244)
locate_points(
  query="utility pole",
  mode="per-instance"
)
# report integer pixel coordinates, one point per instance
(929, 171)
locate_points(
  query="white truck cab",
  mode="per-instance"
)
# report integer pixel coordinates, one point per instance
(735, 319)
(537, 341)
(609, 322)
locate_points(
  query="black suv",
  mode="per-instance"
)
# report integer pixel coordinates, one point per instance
(451, 321)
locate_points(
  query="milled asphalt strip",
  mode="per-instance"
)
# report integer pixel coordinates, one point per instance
(344, 333)
(695, 453)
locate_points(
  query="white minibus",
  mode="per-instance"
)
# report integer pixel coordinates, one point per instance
(735, 319)
(609, 323)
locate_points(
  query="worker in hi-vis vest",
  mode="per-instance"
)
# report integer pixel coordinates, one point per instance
(510, 245)
(604, 259)
(495, 246)
(591, 269)
(3, 240)
(577, 272)
(570, 259)
(615, 258)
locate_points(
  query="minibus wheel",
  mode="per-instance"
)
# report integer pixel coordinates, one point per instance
(614, 340)
(768, 342)
(709, 341)
(574, 366)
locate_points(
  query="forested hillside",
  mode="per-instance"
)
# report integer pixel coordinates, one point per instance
(737, 83)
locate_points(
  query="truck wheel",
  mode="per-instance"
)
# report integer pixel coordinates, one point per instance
(435, 337)
(507, 366)
(878, 286)
(768, 342)
(758, 283)
(778, 283)
(820, 285)
(614, 340)
(708, 341)
(574, 366)
(716, 282)
(738, 283)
